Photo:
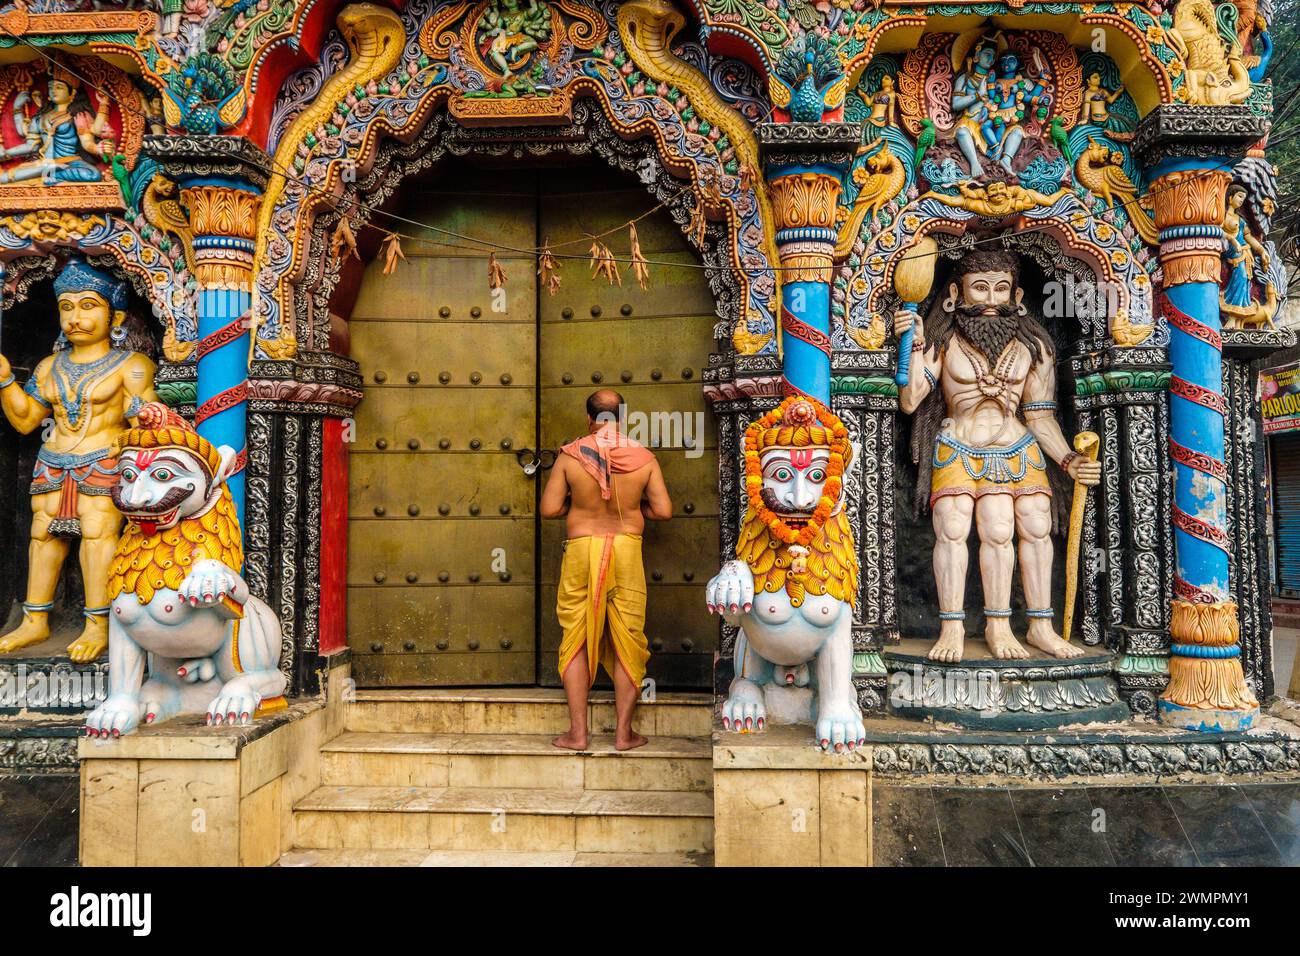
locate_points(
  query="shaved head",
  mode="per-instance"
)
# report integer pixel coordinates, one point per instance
(605, 402)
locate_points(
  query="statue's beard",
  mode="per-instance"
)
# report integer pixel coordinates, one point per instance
(989, 333)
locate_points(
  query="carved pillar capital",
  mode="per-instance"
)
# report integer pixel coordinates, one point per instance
(1189, 208)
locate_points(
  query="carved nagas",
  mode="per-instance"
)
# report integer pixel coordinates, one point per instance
(647, 29)
(375, 38)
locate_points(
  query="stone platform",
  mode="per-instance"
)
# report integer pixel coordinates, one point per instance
(983, 692)
(42, 679)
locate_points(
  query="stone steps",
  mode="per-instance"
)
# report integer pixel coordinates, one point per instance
(488, 858)
(511, 819)
(519, 710)
(514, 760)
(445, 777)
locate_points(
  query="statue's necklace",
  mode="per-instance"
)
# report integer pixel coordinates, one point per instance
(991, 382)
(74, 380)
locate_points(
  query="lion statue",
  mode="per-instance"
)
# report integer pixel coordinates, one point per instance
(793, 584)
(178, 601)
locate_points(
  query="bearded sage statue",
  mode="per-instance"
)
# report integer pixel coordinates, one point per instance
(983, 388)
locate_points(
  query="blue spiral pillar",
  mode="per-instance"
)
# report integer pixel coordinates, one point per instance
(223, 216)
(1207, 689)
(805, 165)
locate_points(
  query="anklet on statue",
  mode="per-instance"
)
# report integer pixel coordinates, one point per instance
(97, 611)
(997, 612)
(30, 609)
(952, 615)
(1043, 612)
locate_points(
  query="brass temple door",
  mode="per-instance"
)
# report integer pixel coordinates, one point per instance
(445, 549)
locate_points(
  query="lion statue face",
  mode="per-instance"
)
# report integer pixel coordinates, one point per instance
(793, 479)
(158, 487)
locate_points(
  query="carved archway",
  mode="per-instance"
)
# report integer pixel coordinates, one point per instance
(334, 170)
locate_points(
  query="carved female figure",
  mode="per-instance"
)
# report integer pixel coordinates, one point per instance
(1236, 301)
(64, 136)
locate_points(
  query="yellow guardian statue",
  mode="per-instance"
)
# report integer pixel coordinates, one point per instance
(92, 390)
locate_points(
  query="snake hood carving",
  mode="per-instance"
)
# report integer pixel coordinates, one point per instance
(178, 601)
(375, 38)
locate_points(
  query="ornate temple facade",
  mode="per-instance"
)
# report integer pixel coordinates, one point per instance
(379, 254)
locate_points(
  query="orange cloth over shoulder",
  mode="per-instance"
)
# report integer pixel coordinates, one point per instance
(607, 451)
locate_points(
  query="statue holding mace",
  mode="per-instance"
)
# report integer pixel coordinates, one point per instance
(92, 387)
(983, 387)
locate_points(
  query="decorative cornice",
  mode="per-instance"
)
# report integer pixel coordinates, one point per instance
(1179, 130)
(811, 143)
(183, 157)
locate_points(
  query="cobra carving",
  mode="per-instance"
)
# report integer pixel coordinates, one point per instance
(647, 28)
(375, 38)
(177, 597)
(793, 584)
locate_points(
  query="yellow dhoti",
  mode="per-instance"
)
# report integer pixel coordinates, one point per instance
(601, 604)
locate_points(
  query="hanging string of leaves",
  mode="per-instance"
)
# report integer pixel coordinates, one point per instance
(343, 242)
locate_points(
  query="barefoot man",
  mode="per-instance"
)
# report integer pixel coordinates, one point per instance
(92, 390)
(979, 366)
(605, 486)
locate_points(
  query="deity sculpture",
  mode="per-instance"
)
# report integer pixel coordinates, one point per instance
(1237, 303)
(510, 32)
(993, 96)
(985, 402)
(793, 584)
(92, 388)
(66, 137)
(1097, 101)
(179, 603)
(884, 104)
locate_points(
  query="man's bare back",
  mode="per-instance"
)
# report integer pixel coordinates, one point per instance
(637, 495)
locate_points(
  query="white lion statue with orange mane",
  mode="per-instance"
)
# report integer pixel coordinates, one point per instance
(793, 584)
(178, 601)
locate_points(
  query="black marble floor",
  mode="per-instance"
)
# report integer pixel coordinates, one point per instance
(1240, 825)
(38, 820)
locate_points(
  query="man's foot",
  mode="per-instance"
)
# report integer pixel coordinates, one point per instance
(571, 741)
(1048, 641)
(92, 642)
(952, 641)
(1003, 644)
(629, 742)
(34, 629)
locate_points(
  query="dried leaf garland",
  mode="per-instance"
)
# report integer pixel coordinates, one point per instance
(392, 251)
(496, 274)
(603, 263)
(548, 268)
(640, 268)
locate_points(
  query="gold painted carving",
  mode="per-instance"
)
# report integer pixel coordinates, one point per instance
(375, 38)
(49, 225)
(1213, 77)
(647, 28)
(997, 199)
(553, 110)
(1207, 682)
(806, 267)
(1190, 197)
(805, 200)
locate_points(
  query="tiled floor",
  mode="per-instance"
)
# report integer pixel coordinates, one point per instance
(38, 820)
(1246, 825)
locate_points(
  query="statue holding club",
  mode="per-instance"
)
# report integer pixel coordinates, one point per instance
(982, 385)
